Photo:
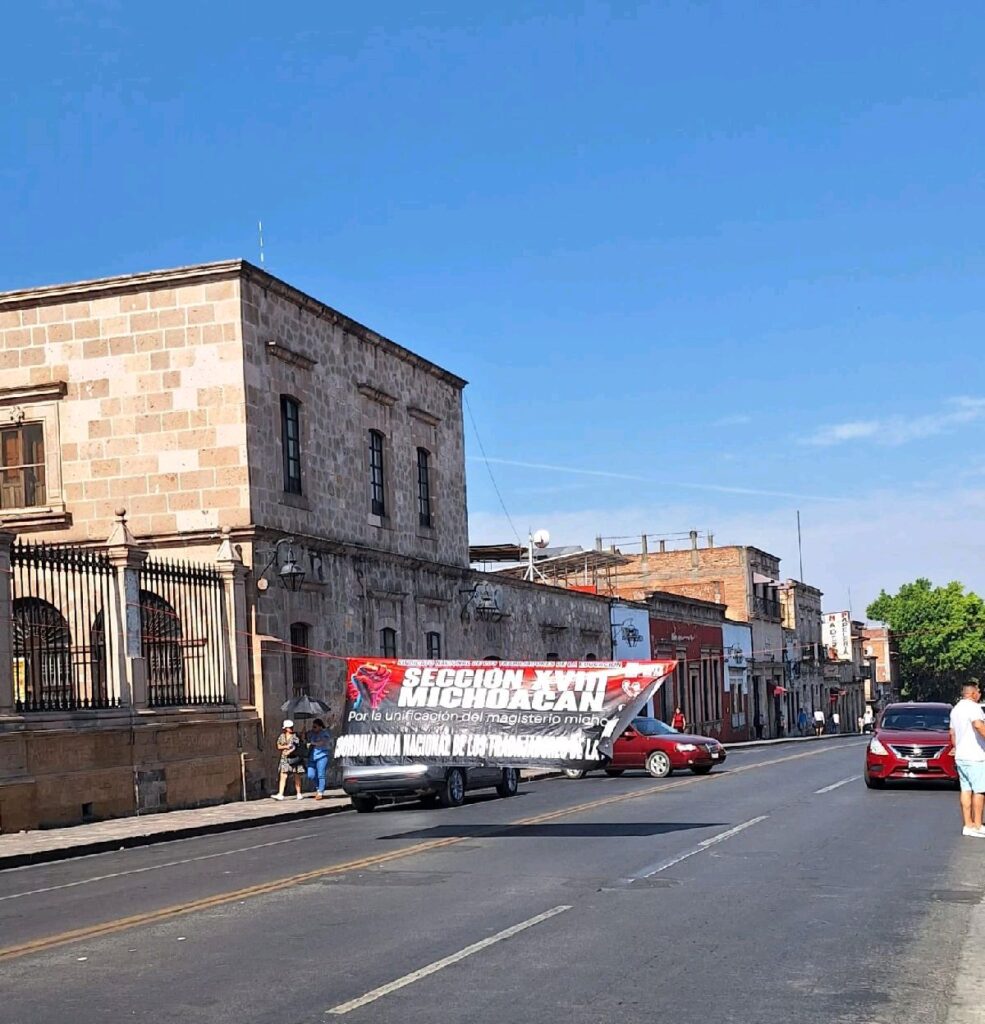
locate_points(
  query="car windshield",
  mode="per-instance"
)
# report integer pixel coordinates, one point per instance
(917, 720)
(652, 727)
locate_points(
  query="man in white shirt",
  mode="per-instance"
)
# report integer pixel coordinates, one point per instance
(968, 740)
(818, 722)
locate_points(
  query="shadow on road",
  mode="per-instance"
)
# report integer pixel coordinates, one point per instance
(554, 830)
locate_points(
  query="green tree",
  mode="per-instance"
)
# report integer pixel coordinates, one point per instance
(941, 636)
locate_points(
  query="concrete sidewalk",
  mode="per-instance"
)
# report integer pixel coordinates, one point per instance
(44, 845)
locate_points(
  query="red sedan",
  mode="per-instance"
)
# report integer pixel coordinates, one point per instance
(653, 745)
(911, 743)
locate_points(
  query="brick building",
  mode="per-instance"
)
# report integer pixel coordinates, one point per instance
(880, 648)
(238, 419)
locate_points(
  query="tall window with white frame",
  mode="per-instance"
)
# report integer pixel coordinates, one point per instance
(424, 486)
(300, 676)
(433, 640)
(388, 642)
(290, 441)
(22, 484)
(377, 479)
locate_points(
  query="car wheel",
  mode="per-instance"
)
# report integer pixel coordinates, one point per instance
(363, 804)
(452, 793)
(574, 773)
(701, 769)
(658, 765)
(615, 772)
(873, 783)
(510, 783)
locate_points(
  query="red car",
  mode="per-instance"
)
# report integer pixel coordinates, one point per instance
(911, 742)
(651, 744)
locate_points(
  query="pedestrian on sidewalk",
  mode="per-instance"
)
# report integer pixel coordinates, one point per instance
(802, 722)
(291, 759)
(835, 722)
(968, 740)
(320, 753)
(678, 722)
(818, 722)
(759, 722)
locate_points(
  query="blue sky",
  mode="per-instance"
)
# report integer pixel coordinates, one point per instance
(729, 254)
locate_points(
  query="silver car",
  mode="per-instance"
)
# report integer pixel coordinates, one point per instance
(369, 785)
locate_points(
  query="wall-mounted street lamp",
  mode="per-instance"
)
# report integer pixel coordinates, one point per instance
(628, 631)
(290, 574)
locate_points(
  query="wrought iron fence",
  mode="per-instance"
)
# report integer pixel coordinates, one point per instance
(61, 597)
(181, 632)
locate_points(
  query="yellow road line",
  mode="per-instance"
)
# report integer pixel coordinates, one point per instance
(206, 903)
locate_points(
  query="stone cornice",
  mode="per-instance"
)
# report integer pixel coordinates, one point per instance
(423, 415)
(375, 394)
(79, 291)
(26, 394)
(288, 355)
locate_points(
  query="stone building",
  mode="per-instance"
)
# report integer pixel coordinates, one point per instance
(803, 648)
(879, 647)
(236, 418)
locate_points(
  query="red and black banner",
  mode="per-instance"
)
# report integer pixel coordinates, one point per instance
(562, 714)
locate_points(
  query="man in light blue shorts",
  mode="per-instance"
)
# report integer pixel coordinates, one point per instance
(968, 741)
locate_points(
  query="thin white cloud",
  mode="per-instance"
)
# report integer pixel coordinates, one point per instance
(883, 539)
(897, 430)
(660, 482)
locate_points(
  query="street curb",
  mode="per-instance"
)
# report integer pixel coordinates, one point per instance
(19, 860)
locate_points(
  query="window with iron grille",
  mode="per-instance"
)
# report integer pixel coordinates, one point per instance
(22, 470)
(388, 642)
(290, 440)
(376, 477)
(424, 486)
(434, 645)
(299, 657)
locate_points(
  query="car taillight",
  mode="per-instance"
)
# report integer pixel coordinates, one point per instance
(877, 748)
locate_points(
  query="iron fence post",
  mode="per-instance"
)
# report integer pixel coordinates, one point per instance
(6, 627)
(129, 677)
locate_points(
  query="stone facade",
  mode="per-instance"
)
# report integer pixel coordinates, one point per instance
(225, 409)
(804, 648)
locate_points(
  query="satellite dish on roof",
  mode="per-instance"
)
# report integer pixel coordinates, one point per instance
(541, 539)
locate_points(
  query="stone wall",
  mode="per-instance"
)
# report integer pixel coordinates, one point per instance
(62, 775)
(349, 381)
(139, 384)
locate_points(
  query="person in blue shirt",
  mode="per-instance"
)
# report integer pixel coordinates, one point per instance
(320, 754)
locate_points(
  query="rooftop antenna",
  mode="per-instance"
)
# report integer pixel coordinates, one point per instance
(800, 548)
(535, 539)
(260, 239)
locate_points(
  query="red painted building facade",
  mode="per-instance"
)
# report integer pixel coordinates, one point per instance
(689, 631)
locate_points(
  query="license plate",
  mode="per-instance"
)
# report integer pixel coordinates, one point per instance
(918, 763)
(714, 755)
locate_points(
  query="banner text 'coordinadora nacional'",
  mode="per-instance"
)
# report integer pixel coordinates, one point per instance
(474, 713)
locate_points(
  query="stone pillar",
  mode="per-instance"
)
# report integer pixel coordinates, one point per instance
(128, 678)
(237, 637)
(6, 627)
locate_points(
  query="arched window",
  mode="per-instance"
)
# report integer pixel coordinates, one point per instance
(388, 642)
(290, 442)
(300, 643)
(590, 656)
(42, 655)
(160, 644)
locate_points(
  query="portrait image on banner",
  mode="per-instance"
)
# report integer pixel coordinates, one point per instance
(477, 713)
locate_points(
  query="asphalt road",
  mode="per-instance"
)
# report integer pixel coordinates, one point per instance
(776, 890)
